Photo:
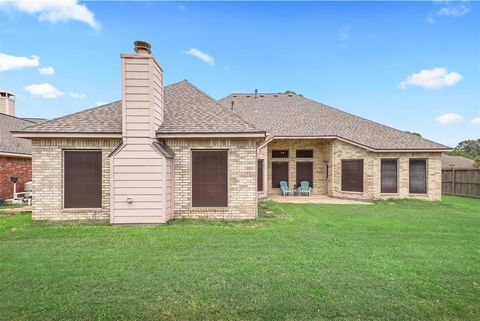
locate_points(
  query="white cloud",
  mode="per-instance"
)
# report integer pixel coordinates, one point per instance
(476, 120)
(46, 70)
(76, 95)
(448, 9)
(432, 79)
(449, 118)
(53, 10)
(8, 62)
(44, 90)
(200, 55)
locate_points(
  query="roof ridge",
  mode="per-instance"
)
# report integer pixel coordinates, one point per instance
(221, 107)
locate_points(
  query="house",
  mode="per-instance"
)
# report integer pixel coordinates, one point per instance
(173, 151)
(15, 155)
(455, 162)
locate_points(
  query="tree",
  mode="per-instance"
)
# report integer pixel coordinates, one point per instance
(291, 92)
(414, 133)
(468, 148)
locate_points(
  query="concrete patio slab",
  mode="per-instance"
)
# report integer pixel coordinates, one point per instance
(315, 199)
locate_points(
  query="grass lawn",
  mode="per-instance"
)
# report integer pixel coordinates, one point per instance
(402, 260)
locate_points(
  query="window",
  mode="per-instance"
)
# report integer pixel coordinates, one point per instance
(209, 178)
(260, 175)
(352, 175)
(82, 179)
(304, 153)
(279, 173)
(305, 172)
(418, 176)
(279, 153)
(389, 175)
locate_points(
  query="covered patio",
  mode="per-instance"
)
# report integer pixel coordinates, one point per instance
(315, 199)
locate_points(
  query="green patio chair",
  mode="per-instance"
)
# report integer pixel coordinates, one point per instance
(284, 188)
(305, 188)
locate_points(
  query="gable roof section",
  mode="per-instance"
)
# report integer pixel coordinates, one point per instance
(104, 119)
(284, 115)
(10, 144)
(450, 161)
(188, 110)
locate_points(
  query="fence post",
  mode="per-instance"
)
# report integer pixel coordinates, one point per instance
(453, 181)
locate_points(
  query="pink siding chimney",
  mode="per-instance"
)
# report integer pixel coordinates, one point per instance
(141, 172)
(142, 89)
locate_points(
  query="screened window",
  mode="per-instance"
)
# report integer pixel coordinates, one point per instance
(279, 173)
(305, 172)
(389, 175)
(82, 179)
(304, 153)
(352, 175)
(279, 153)
(418, 176)
(209, 178)
(260, 175)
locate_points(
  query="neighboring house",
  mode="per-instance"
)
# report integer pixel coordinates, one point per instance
(165, 152)
(15, 155)
(453, 162)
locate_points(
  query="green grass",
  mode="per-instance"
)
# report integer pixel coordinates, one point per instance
(402, 260)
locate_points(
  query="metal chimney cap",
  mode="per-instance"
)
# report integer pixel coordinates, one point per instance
(142, 47)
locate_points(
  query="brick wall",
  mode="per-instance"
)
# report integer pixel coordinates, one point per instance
(47, 169)
(242, 178)
(14, 166)
(372, 174)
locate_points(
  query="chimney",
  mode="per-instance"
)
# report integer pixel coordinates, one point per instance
(7, 103)
(142, 94)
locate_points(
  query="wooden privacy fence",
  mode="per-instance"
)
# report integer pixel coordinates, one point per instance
(463, 182)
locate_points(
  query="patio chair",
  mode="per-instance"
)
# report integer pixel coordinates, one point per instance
(284, 188)
(305, 188)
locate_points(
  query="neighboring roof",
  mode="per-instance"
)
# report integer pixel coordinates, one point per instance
(10, 144)
(102, 119)
(189, 110)
(456, 162)
(287, 115)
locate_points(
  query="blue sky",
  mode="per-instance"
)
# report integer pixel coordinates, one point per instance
(410, 65)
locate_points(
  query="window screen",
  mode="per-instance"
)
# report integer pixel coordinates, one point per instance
(304, 153)
(389, 175)
(279, 173)
(209, 178)
(260, 175)
(305, 172)
(418, 176)
(279, 153)
(352, 175)
(82, 179)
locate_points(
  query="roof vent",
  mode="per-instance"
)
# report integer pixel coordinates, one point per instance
(248, 95)
(142, 47)
(261, 95)
(289, 95)
(233, 103)
(256, 92)
(235, 96)
(275, 95)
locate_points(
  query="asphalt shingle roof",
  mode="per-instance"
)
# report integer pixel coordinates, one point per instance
(10, 144)
(187, 110)
(293, 115)
(190, 110)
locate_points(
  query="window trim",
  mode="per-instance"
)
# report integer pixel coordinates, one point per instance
(363, 175)
(397, 172)
(426, 176)
(194, 208)
(63, 180)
